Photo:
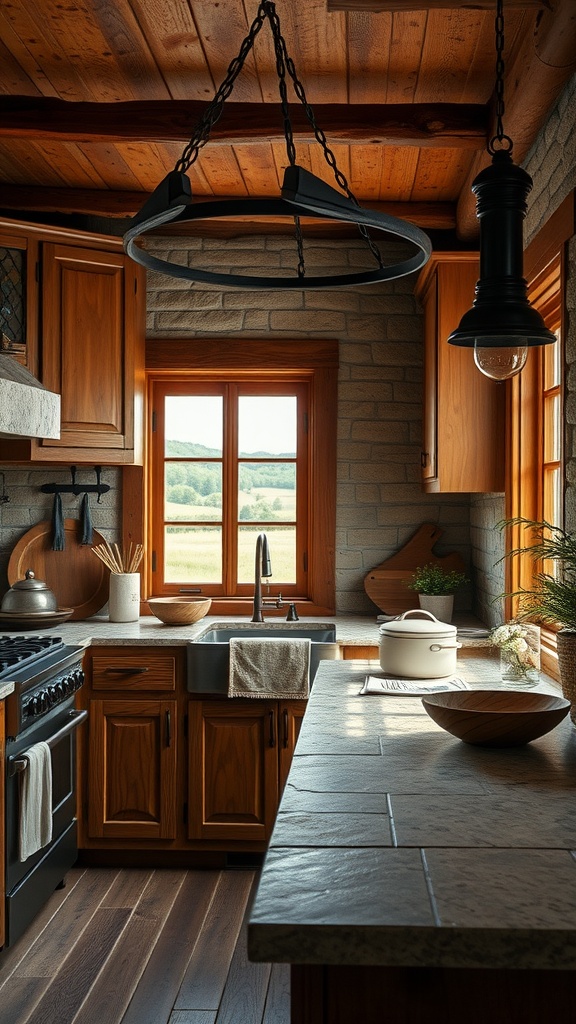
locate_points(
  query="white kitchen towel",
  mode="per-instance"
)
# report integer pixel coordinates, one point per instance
(35, 800)
(269, 667)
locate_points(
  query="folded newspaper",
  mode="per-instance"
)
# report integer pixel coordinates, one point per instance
(411, 687)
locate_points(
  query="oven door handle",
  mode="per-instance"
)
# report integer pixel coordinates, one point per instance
(18, 763)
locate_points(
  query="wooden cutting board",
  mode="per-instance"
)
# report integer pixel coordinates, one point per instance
(386, 583)
(76, 575)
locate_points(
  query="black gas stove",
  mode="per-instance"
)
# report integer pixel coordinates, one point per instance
(45, 672)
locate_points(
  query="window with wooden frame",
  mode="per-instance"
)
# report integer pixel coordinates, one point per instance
(242, 443)
(536, 434)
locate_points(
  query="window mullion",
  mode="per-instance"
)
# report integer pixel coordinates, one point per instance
(230, 503)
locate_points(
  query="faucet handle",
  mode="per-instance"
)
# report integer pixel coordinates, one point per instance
(292, 615)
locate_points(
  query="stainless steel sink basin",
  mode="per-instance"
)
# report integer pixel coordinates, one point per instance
(209, 653)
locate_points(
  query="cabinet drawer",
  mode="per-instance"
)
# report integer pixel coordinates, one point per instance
(134, 671)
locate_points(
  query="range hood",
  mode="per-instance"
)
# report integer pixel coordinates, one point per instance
(27, 409)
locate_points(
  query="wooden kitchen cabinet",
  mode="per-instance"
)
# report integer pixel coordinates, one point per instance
(133, 758)
(239, 756)
(464, 411)
(88, 315)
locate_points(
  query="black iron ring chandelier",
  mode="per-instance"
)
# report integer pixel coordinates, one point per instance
(302, 194)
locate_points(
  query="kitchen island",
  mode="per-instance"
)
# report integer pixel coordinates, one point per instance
(411, 877)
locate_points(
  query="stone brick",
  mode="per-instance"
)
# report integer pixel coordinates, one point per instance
(344, 300)
(210, 321)
(389, 432)
(366, 328)
(366, 494)
(355, 353)
(378, 391)
(369, 472)
(375, 373)
(275, 299)
(405, 328)
(348, 559)
(349, 452)
(356, 410)
(389, 304)
(307, 320)
(358, 517)
(405, 454)
(191, 299)
(396, 354)
(238, 245)
(257, 320)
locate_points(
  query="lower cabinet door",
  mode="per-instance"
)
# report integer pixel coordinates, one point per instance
(290, 715)
(132, 769)
(233, 769)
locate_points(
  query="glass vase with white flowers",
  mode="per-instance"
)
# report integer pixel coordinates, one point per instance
(519, 645)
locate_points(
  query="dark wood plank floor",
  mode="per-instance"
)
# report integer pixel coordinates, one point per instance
(139, 946)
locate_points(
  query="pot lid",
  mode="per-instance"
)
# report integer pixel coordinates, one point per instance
(30, 582)
(425, 626)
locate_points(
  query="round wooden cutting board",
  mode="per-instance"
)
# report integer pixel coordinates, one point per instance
(76, 575)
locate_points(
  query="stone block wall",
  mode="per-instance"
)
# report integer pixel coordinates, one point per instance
(379, 500)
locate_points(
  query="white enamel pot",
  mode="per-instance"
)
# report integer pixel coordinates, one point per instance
(418, 648)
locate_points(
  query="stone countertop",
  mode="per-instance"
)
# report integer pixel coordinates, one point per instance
(5, 690)
(353, 630)
(397, 844)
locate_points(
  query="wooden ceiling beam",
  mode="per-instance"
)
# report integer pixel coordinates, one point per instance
(104, 203)
(390, 6)
(446, 125)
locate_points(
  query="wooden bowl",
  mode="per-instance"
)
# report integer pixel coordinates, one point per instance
(179, 611)
(496, 718)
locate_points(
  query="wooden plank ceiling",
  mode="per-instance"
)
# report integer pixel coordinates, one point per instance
(97, 99)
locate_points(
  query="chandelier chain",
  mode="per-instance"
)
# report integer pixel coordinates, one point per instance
(214, 108)
(504, 141)
(284, 65)
(320, 137)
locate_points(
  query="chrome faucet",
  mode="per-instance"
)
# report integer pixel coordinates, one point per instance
(262, 568)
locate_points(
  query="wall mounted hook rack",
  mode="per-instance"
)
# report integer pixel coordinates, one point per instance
(74, 488)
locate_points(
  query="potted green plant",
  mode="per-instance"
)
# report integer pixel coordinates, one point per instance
(436, 587)
(551, 599)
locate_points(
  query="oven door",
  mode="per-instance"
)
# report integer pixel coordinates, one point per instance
(30, 883)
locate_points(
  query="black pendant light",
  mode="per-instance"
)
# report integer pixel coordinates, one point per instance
(302, 195)
(501, 325)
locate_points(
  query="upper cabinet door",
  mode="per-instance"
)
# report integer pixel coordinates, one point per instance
(88, 346)
(464, 411)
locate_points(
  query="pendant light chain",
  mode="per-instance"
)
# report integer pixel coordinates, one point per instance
(504, 141)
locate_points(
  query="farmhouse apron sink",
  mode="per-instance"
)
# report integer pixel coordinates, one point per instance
(209, 654)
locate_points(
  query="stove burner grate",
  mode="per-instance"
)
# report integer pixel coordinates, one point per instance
(18, 651)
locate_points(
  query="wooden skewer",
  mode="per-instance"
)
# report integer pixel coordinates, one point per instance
(117, 559)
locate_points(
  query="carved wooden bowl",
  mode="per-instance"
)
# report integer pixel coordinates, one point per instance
(179, 611)
(496, 718)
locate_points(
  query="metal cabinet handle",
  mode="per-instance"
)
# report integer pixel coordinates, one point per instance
(272, 723)
(285, 730)
(127, 670)
(168, 724)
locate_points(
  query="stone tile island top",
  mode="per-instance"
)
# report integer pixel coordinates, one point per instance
(398, 845)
